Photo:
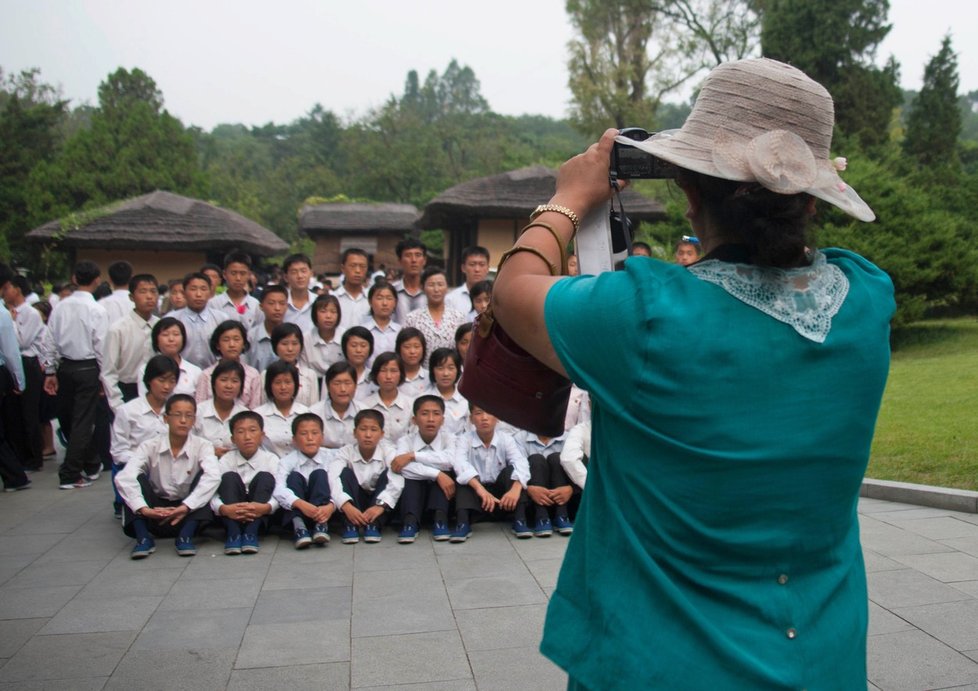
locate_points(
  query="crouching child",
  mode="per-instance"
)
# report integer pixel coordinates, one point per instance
(302, 484)
(161, 487)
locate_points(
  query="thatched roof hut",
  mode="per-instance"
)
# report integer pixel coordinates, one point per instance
(374, 228)
(162, 233)
(490, 211)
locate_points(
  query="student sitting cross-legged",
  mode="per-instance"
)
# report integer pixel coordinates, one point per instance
(244, 495)
(161, 484)
(549, 489)
(424, 458)
(492, 473)
(302, 483)
(364, 488)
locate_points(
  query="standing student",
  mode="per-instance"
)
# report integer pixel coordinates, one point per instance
(339, 407)
(413, 351)
(160, 484)
(297, 269)
(302, 484)
(437, 320)
(213, 273)
(412, 255)
(288, 345)
(235, 302)
(323, 342)
(446, 368)
(352, 294)
(12, 381)
(78, 326)
(230, 342)
(214, 413)
(424, 458)
(168, 338)
(364, 488)
(575, 454)
(175, 298)
(492, 473)
(387, 374)
(244, 498)
(548, 489)
(358, 346)
(475, 268)
(119, 303)
(380, 324)
(128, 342)
(199, 320)
(281, 386)
(274, 306)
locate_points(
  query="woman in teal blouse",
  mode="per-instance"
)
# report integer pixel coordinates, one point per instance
(734, 402)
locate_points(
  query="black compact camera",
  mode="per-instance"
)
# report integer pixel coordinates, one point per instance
(629, 163)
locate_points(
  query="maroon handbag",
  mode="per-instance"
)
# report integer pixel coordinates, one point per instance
(505, 380)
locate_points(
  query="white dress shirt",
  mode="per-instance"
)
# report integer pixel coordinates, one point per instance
(367, 471)
(117, 305)
(459, 299)
(128, 345)
(302, 317)
(474, 459)
(78, 326)
(10, 350)
(298, 462)
(578, 407)
(338, 430)
(397, 415)
(353, 310)
(30, 330)
(252, 390)
(456, 411)
(319, 354)
(260, 353)
(308, 393)
(532, 444)
(384, 338)
(365, 387)
(278, 427)
(134, 423)
(224, 305)
(200, 326)
(407, 302)
(170, 476)
(416, 385)
(211, 427)
(429, 459)
(247, 468)
(577, 446)
(186, 382)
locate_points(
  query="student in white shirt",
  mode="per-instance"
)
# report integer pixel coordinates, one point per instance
(463, 339)
(424, 458)
(339, 407)
(235, 303)
(247, 481)
(273, 306)
(387, 374)
(412, 349)
(214, 413)
(230, 342)
(576, 451)
(119, 303)
(491, 472)
(287, 342)
(142, 418)
(281, 385)
(475, 268)
(364, 488)
(127, 343)
(297, 270)
(168, 338)
(358, 346)
(302, 483)
(380, 324)
(323, 345)
(199, 320)
(446, 368)
(412, 255)
(161, 487)
(548, 489)
(352, 293)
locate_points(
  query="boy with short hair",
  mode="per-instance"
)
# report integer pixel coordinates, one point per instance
(236, 302)
(687, 250)
(365, 489)
(247, 483)
(161, 484)
(297, 269)
(119, 303)
(274, 305)
(475, 268)
(549, 487)
(354, 305)
(424, 458)
(412, 255)
(199, 320)
(128, 343)
(302, 483)
(491, 472)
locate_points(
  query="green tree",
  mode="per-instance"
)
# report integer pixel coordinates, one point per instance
(834, 42)
(934, 122)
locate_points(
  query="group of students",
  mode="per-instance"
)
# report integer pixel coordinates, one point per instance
(279, 411)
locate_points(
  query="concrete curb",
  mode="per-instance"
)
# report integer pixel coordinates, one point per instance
(922, 495)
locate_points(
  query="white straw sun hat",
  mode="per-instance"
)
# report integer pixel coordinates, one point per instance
(761, 121)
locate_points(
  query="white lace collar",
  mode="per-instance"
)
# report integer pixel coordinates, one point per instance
(806, 298)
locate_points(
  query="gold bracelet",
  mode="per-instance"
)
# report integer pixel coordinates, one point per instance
(561, 247)
(556, 208)
(525, 248)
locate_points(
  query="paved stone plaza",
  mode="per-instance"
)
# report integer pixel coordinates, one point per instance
(76, 613)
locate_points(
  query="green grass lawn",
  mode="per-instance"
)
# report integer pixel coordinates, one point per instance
(928, 425)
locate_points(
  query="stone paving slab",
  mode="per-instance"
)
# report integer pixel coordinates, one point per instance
(76, 613)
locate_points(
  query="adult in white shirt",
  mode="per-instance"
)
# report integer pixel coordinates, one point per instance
(412, 255)
(297, 269)
(475, 268)
(235, 302)
(354, 304)
(118, 303)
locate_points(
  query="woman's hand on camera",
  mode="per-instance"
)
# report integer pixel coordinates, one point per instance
(582, 182)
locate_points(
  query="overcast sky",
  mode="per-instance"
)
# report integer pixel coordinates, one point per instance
(224, 61)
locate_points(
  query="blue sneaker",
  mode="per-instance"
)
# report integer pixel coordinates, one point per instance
(522, 530)
(350, 536)
(371, 533)
(185, 546)
(543, 528)
(143, 548)
(320, 534)
(232, 545)
(563, 525)
(301, 539)
(249, 544)
(461, 533)
(407, 534)
(440, 532)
